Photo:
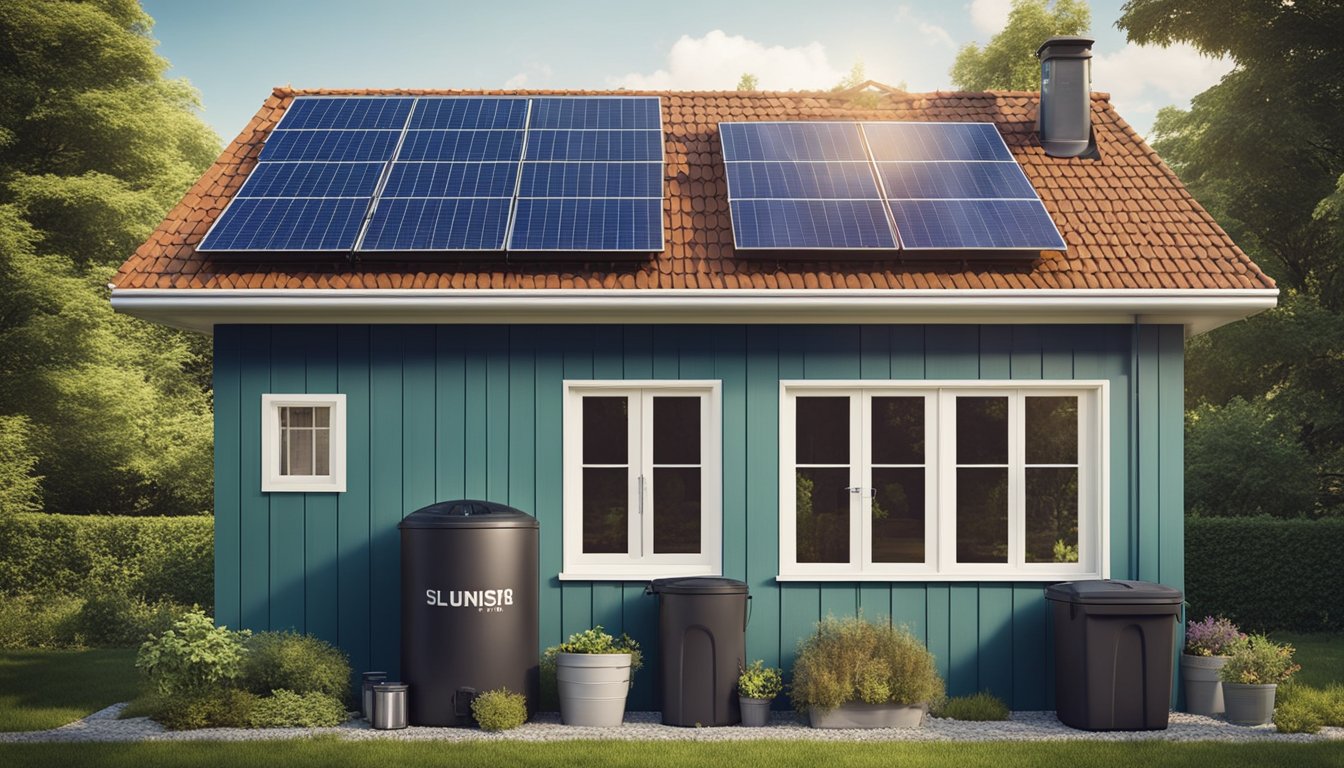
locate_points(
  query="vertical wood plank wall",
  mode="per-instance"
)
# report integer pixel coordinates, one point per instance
(441, 412)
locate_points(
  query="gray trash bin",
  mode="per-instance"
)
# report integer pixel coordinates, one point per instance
(1115, 644)
(370, 679)
(389, 706)
(702, 635)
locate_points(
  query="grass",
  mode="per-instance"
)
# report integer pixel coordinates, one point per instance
(331, 752)
(42, 689)
(1321, 655)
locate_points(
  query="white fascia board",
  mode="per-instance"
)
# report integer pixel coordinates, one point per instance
(200, 310)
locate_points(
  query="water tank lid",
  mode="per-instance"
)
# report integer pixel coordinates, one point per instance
(1113, 592)
(1068, 46)
(468, 513)
(698, 585)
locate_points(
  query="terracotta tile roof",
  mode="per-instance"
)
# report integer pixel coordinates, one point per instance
(1128, 221)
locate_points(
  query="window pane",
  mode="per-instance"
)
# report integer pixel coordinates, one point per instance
(823, 514)
(1052, 515)
(605, 506)
(982, 430)
(322, 415)
(823, 430)
(1052, 430)
(676, 430)
(300, 417)
(604, 431)
(300, 451)
(898, 516)
(323, 450)
(284, 448)
(898, 430)
(982, 515)
(676, 510)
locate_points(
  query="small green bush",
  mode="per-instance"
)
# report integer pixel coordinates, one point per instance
(499, 710)
(193, 657)
(116, 620)
(287, 709)
(1297, 717)
(1257, 660)
(28, 621)
(593, 640)
(856, 660)
(1305, 705)
(759, 681)
(978, 706)
(210, 708)
(302, 664)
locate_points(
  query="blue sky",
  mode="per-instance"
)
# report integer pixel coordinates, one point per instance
(235, 51)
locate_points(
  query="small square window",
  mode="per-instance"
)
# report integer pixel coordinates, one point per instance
(303, 443)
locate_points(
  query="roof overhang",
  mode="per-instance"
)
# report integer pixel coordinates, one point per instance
(201, 310)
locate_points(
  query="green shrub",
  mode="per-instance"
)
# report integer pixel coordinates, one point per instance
(593, 640)
(1305, 705)
(287, 709)
(977, 706)
(117, 620)
(856, 660)
(1297, 717)
(1285, 576)
(150, 558)
(28, 621)
(1257, 660)
(299, 663)
(759, 681)
(193, 657)
(20, 486)
(1240, 460)
(499, 710)
(211, 708)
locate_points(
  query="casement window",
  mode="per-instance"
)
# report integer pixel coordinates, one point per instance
(642, 479)
(303, 443)
(943, 481)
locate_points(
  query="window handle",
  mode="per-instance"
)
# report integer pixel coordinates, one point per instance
(861, 489)
(641, 495)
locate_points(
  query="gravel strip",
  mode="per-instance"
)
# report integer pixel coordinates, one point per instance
(103, 726)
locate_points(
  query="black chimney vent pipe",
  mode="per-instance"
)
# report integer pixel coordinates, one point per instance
(1064, 118)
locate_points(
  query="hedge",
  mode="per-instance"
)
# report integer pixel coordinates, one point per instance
(1266, 574)
(151, 558)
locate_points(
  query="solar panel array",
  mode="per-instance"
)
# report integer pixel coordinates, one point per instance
(874, 185)
(453, 173)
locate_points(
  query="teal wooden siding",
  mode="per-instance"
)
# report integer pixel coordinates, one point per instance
(440, 412)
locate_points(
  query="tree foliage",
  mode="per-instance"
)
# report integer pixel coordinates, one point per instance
(748, 82)
(1008, 62)
(97, 144)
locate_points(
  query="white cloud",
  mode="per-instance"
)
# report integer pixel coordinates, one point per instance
(717, 60)
(990, 16)
(517, 81)
(1142, 78)
(524, 78)
(930, 33)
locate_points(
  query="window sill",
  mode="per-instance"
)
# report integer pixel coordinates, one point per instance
(937, 577)
(642, 574)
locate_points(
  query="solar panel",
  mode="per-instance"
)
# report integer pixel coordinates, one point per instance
(592, 176)
(799, 224)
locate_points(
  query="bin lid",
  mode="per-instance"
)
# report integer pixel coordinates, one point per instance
(468, 513)
(1113, 592)
(390, 687)
(698, 585)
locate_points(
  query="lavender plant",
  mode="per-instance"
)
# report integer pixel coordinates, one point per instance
(1211, 637)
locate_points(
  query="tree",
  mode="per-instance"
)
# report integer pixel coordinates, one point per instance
(748, 82)
(96, 146)
(1008, 62)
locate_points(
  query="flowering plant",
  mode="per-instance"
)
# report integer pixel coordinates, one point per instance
(1211, 637)
(1257, 660)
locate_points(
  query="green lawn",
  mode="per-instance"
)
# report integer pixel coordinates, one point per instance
(1321, 655)
(42, 689)
(329, 752)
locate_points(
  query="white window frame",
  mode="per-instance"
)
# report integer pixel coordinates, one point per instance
(271, 479)
(940, 481)
(634, 564)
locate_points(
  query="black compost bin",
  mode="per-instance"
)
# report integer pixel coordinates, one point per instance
(1114, 652)
(702, 637)
(468, 607)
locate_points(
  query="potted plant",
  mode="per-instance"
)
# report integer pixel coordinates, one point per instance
(593, 675)
(854, 673)
(1206, 644)
(757, 686)
(1255, 666)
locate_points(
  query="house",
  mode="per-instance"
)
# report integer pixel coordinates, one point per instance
(929, 435)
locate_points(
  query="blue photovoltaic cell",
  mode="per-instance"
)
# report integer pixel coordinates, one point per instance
(450, 224)
(640, 145)
(791, 141)
(810, 180)
(344, 145)
(935, 141)
(312, 180)
(467, 113)
(975, 224)
(955, 180)
(274, 224)
(596, 113)
(592, 180)
(462, 146)
(344, 113)
(566, 224)
(452, 180)
(802, 224)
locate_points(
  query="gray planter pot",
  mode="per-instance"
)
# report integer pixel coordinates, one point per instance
(1203, 687)
(592, 688)
(755, 712)
(1249, 704)
(856, 714)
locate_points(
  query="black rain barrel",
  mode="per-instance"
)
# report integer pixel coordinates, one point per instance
(468, 607)
(702, 634)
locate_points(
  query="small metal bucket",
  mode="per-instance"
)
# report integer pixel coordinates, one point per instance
(366, 692)
(389, 706)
